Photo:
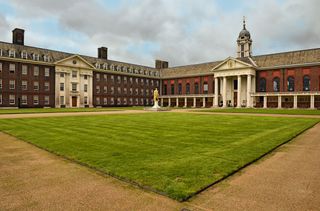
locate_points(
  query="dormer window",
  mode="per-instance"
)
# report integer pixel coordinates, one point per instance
(112, 67)
(46, 58)
(1, 52)
(12, 53)
(97, 65)
(24, 55)
(36, 57)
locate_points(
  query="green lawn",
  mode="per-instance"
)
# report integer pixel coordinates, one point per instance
(175, 154)
(264, 111)
(57, 110)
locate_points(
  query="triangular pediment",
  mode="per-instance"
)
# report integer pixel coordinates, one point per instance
(231, 64)
(75, 61)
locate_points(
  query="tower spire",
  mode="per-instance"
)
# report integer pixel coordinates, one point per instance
(244, 22)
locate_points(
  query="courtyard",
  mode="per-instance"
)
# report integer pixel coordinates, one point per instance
(170, 153)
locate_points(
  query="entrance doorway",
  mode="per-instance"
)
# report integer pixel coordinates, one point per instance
(235, 99)
(74, 101)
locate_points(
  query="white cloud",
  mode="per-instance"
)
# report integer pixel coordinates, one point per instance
(186, 31)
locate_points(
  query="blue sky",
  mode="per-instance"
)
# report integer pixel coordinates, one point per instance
(182, 32)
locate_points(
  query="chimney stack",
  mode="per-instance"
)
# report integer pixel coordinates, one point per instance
(103, 53)
(161, 64)
(18, 36)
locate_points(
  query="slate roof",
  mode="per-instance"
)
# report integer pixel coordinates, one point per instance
(262, 61)
(275, 60)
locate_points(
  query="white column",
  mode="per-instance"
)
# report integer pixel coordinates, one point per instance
(279, 102)
(57, 90)
(177, 102)
(204, 102)
(194, 102)
(224, 92)
(248, 91)
(216, 92)
(169, 102)
(185, 102)
(90, 90)
(239, 92)
(213, 99)
(67, 90)
(295, 101)
(265, 102)
(312, 101)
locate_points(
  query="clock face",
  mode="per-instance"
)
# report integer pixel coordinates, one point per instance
(74, 61)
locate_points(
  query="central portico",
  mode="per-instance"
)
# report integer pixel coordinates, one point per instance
(235, 81)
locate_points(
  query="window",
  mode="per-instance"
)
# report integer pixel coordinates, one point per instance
(137, 80)
(12, 68)
(35, 100)
(130, 101)
(61, 86)
(137, 91)
(46, 72)
(85, 101)
(125, 101)
(12, 84)
(35, 85)
(152, 83)
(12, 53)
(46, 86)
(24, 55)
(74, 87)
(180, 89)
(130, 91)
(125, 80)
(105, 77)
(112, 101)
(85, 77)
(290, 84)
(276, 84)
(85, 88)
(105, 89)
(98, 100)
(0, 83)
(142, 81)
(130, 80)
(188, 88)
(46, 100)
(196, 88)
(46, 58)
(112, 90)
(306, 83)
(97, 89)
(61, 75)
(0, 67)
(36, 71)
(105, 101)
(98, 77)
(24, 85)
(125, 91)
(24, 99)
(36, 57)
(165, 89)
(24, 70)
(0, 99)
(61, 100)
(119, 90)
(262, 85)
(205, 87)
(74, 74)
(112, 78)
(12, 99)
(147, 81)
(119, 79)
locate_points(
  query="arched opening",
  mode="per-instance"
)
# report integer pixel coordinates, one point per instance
(306, 83)
(262, 85)
(188, 88)
(276, 84)
(196, 88)
(290, 84)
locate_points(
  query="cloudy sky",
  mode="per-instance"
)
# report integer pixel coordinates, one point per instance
(179, 31)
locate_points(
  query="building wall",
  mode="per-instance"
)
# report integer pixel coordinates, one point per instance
(122, 90)
(297, 73)
(30, 78)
